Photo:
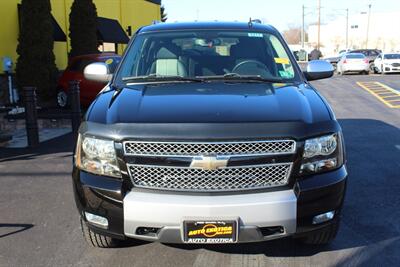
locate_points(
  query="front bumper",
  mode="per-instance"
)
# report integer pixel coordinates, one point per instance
(168, 212)
(128, 210)
(391, 69)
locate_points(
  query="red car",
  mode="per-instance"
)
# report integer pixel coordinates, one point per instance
(74, 71)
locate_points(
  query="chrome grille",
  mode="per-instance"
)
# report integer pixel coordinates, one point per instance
(251, 148)
(225, 179)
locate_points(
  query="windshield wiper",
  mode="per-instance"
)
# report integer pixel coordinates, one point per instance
(239, 77)
(161, 78)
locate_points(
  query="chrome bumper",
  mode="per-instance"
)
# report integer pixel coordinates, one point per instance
(168, 211)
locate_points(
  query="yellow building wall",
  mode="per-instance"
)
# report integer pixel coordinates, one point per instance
(134, 13)
(8, 30)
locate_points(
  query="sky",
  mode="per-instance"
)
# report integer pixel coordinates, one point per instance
(279, 13)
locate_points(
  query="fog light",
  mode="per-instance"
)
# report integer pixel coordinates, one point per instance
(324, 217)
(96, 220)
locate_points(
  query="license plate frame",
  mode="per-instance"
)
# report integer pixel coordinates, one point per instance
(217, 231)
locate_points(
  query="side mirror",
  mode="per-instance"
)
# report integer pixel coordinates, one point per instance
(318, 69)
(97, 72)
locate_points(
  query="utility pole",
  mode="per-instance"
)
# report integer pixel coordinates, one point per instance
(302, 29)
(369, 17)
(347, 28)
(319, 25)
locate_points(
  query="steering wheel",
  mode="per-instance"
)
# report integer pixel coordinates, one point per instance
(250, 61)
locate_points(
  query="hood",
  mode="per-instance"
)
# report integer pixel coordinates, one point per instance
(214, 102)
(395, 60)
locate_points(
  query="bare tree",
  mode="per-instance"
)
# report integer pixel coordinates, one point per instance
(293, 35)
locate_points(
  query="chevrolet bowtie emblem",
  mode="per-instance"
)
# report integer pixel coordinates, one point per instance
(209, 163)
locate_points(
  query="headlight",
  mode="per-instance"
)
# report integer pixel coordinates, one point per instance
(97, 156)
(320, 146)
(322, 154)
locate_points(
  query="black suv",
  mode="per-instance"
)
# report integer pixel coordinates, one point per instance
(209, 133)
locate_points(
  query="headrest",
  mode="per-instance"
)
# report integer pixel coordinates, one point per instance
(168, 52)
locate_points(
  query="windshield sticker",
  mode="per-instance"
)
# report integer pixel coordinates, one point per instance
(281, 60)
(255, 34)
(277, 85)
(109, 61)
(285, 74)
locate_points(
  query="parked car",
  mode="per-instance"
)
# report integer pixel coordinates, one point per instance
(335, 59)
(386, 63)
(74, 71)
(353, 62)
(209, 133)
(370, 54)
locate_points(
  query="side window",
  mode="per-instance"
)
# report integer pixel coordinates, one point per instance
(282, 60)
(112, 63)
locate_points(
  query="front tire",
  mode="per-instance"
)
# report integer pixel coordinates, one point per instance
(96, 240)
(322, 236)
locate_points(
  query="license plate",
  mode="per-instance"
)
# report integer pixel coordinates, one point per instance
(212, 232)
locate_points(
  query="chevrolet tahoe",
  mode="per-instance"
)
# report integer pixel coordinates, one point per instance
(209, 133)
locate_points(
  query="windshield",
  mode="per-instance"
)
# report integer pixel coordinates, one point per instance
(392, 56)
(206, 54)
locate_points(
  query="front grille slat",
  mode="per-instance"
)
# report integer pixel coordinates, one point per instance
(250, 148)
(226, 179)
(233, 178)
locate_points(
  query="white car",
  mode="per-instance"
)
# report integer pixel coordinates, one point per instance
(385, 63)
(353, 62)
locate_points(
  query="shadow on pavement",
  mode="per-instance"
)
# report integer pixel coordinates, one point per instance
(59, 144)
(370, 223)
(371, 215)
(21, 228)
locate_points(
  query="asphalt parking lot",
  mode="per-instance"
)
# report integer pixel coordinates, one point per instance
(39, 224)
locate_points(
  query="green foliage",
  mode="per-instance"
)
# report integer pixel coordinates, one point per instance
(83, 28)
(36, 61)
(164, 16)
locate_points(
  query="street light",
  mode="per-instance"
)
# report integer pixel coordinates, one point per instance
(347, 25)
(369, 17)
(319, 24)
(302, 37)
(368, 20)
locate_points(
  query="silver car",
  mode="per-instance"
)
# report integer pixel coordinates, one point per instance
(353, 62)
